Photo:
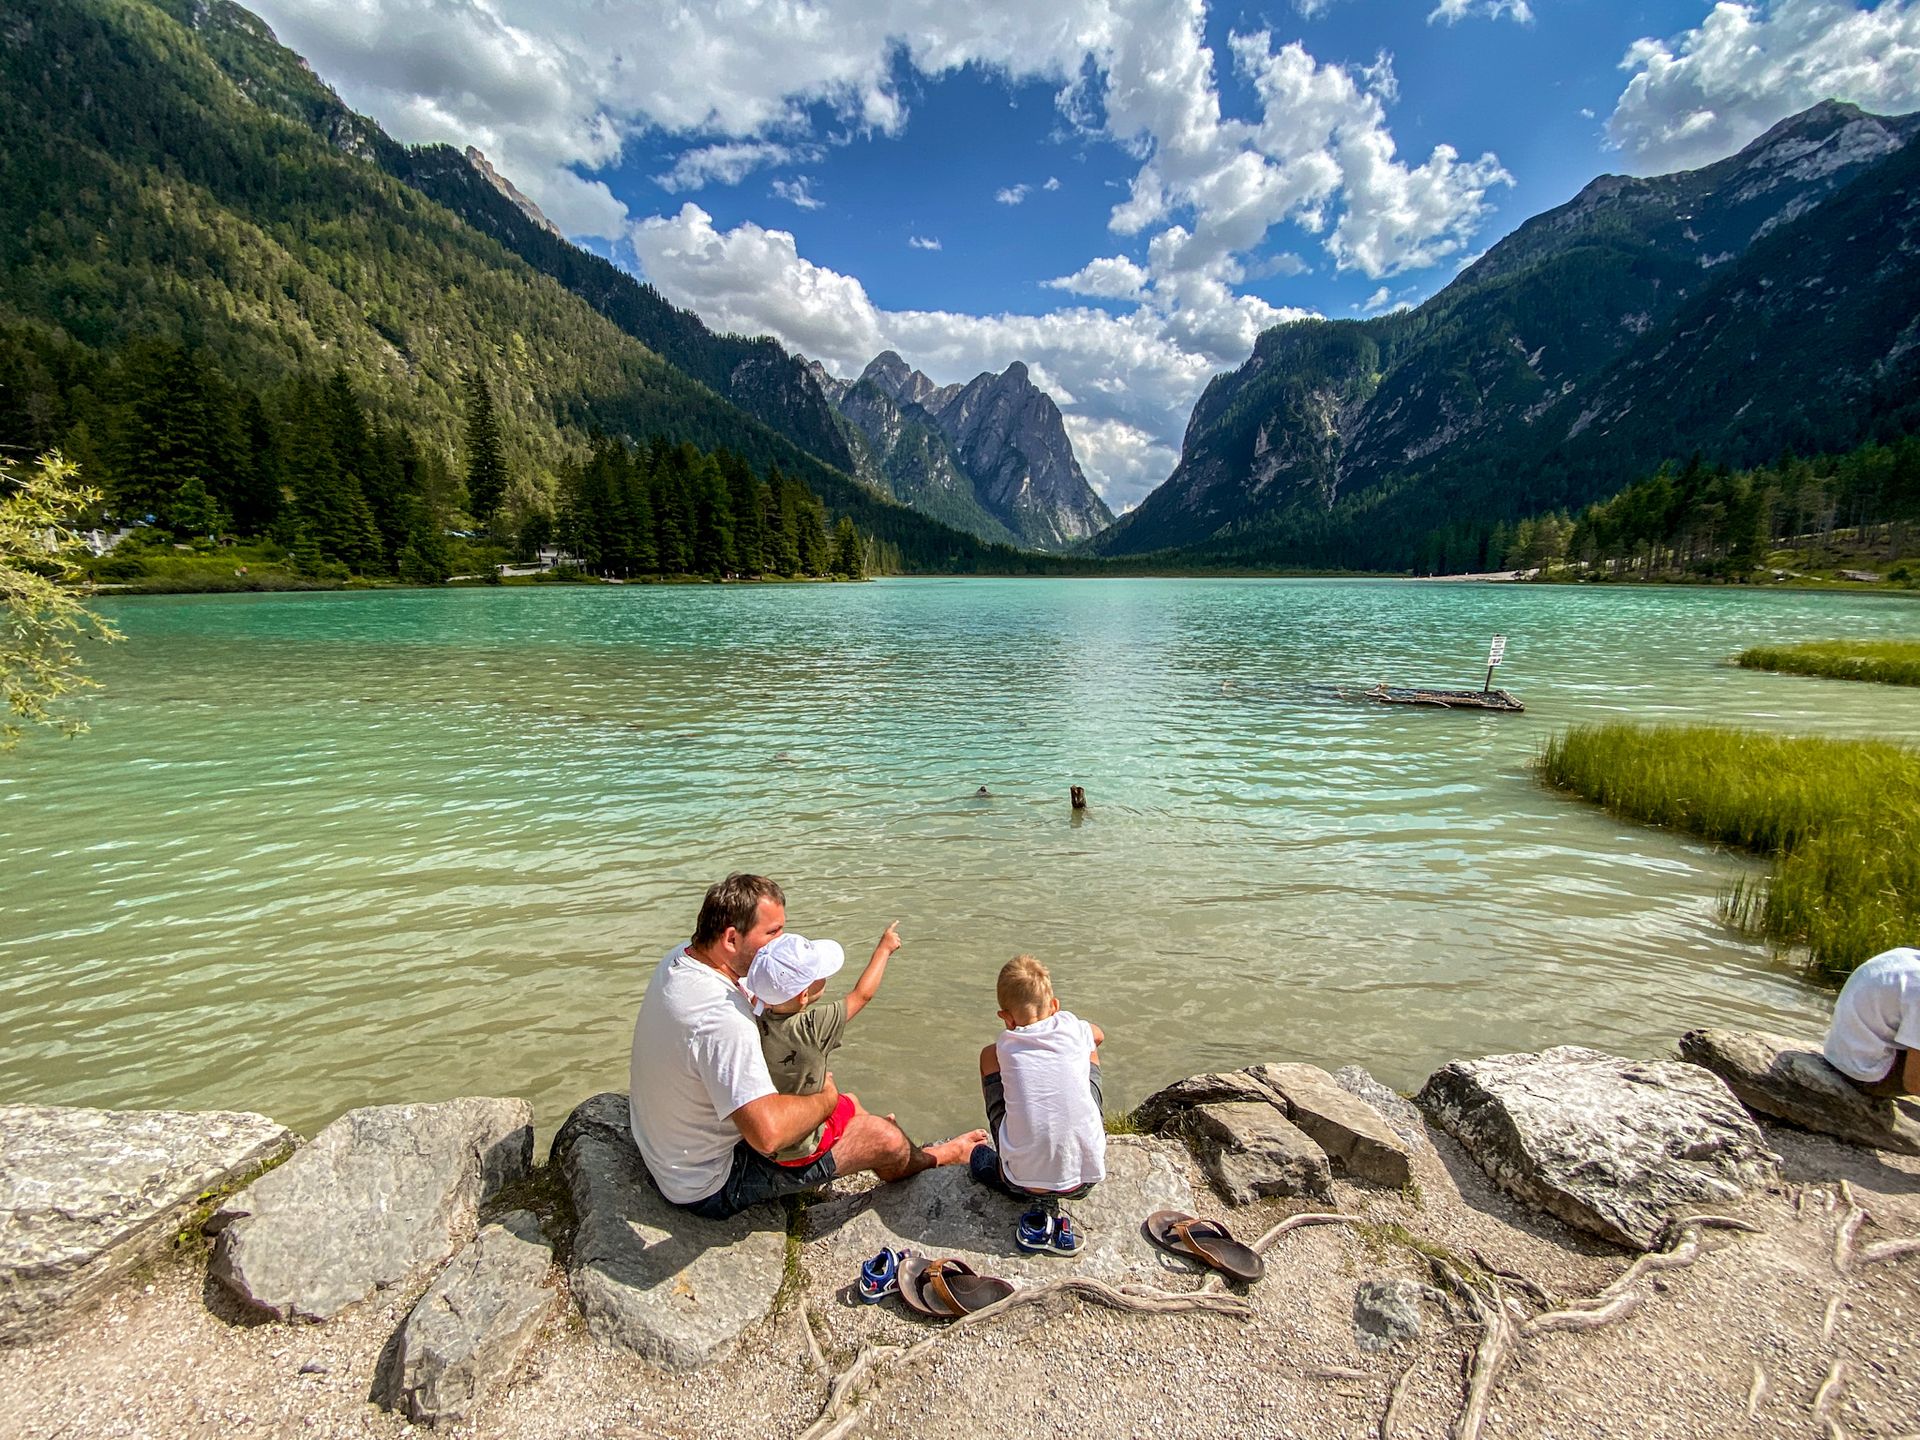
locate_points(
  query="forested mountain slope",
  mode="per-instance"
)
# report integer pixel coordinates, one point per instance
(169, 174)
(1762, 303)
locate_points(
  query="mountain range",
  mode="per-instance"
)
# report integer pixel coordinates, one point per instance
(169, 171)
(990, 456)
(1770, 301)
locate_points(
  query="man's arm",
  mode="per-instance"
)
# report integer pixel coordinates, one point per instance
(868, 985)
(1909, 1072)
(775, 1121)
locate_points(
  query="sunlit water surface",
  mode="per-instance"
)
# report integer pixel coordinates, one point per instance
(323, 851)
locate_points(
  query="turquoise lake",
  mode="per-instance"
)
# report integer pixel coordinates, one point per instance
(328, 850)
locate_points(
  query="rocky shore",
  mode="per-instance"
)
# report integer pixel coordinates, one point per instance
(168, 1273)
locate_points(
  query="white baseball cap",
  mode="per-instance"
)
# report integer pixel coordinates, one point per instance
(789, 964)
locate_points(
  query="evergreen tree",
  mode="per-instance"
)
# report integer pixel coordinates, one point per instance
(486, 459)
(847, 557)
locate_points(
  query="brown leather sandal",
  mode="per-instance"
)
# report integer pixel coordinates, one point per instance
(948, 1288)
(1207, 1241)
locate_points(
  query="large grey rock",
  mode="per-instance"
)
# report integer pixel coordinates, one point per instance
(1399, 1112)
(1352, 1132)
(946, 1212)
(377, 1196)
(1791, 1080)
(1386, 1310)
(1611, 1146)
(466, 1334)
(1249, 1150)
(85, 1195)
(647, 1276)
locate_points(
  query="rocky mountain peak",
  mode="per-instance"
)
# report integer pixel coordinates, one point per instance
(897, 378)
(507, 188)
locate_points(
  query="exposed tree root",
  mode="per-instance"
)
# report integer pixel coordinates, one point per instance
(1850, 1222)
(1540, 1295)
(813, 1343)
(838, 1413)
(1757, 1392)
(1830, 1387)
(1394, 1397)
(1618, 1308)
(1889, 1250)
(1831, 1318)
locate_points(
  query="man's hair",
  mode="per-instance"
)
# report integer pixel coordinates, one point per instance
(734, 902)
(1024, 986)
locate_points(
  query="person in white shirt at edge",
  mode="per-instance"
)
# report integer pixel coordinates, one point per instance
(702, 1107)
(1875, 1037)
(1041, 1082)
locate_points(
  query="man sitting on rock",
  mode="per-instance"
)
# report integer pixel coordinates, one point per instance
(1875, 1037)
(703, 1109)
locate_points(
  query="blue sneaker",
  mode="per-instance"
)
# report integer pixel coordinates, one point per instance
(880, 1276)
(1034, 1231)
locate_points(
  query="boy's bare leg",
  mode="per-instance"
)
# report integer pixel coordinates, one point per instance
(871, 1143)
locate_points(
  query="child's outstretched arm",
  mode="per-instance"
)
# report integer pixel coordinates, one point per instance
(868, 984)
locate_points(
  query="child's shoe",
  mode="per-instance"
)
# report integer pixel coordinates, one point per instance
(1034, 1231)
(1066, 1235)
(880, 1276)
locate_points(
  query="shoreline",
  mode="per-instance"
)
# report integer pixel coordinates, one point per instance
(1366, 1316)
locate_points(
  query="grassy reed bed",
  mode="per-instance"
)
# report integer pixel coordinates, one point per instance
(1839, 818)
(1891, 662)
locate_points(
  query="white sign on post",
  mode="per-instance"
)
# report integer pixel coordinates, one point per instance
(1497, 652)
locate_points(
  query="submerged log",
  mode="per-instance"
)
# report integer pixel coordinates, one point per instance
(1444, 699)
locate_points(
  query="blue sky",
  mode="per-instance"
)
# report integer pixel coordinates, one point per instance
(1122, 193)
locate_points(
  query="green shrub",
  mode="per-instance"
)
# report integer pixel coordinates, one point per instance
(1840, 819)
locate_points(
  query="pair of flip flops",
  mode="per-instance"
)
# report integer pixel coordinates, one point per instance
(1207, 1241)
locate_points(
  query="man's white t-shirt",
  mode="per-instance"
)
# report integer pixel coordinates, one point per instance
(1878, 1012)
(696, 1060)
(1053, 1137)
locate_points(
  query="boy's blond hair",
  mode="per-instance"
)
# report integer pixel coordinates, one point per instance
(1024, 987)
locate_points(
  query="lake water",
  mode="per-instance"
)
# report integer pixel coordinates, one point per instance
(329, 850)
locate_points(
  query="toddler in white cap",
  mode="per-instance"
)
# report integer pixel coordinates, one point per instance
(786, 977)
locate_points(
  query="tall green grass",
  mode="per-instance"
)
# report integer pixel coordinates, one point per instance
(1891, 662)
(1839, 818)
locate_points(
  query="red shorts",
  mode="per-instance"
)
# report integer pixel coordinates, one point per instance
(837, 1123)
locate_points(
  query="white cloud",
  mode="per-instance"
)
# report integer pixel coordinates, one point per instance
(728, 164)
(1708, 91)
(923, 242)
(1376, 301)
(553, 87)
(1112, 277)
(795, 192)
(1142, 370)
(1452, 12)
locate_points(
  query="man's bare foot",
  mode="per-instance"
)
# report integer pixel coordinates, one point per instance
(956, 1150)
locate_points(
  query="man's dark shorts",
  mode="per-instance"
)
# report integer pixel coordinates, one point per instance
(754, 1178)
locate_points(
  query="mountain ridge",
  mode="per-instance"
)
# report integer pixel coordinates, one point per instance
(991, 454)
(1380, 443)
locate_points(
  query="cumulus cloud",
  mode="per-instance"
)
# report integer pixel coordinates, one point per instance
(1126, 381)
(923, 242)
(1706, 92)
(728, 163)
(1376, 301)
(1452, 12)
(795, 192)
(553, 90)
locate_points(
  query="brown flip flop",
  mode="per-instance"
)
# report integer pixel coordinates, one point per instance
(948, 1288)
(1207, 1241)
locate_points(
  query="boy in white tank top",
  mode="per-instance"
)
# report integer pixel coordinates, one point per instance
(1041, 1080)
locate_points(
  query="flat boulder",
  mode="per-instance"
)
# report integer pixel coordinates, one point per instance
(376, 1197)
(1791, 1080)
(1611, 1146)
(946, 1212)
(649, 1277)
(1250, 1151)
(85, 1195)
(463, 1338)
(1354, 1134)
